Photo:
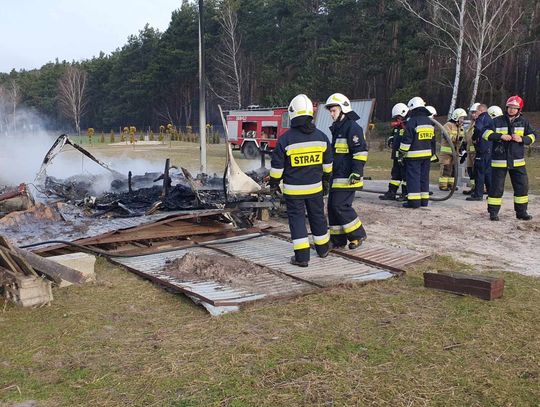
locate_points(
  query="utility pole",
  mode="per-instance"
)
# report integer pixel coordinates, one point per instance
(202, 93)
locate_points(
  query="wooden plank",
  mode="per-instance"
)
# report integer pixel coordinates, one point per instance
(487, 288)
(56, 272)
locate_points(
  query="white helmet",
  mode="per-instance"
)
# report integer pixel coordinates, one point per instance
(301, 105)
(432, 110)
(494, 111)
(474, 107)
(458, 113)
(415, 102)
(400, 109)
(339, 99)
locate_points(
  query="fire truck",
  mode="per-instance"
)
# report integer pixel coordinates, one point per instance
(256, 129)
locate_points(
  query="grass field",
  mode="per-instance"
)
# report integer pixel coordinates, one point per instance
(124, 341)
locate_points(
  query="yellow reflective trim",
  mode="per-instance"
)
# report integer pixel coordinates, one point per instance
(310, 191)
(471, 149)
(300, 246)
(443, 180)
(424, 195)
(404, 147)
(276, 172)
(426, 134)
(486, 134)
(327, 170)
(531, 136)
(413, 197)
(396, 183)
(304, 112)
(353, 227)
(360, 157)
(320, 240)
(445, 149)
(519, 163)
(419, 154)
(521, 199)
(499, 163)
(357, 185)
(305, 150)
(494, 201)
(336, 230)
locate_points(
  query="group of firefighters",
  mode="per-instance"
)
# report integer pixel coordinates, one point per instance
(493, 145)
(310, 166)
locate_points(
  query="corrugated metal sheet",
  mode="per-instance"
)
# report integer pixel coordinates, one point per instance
(363, 107)
(391, 257)
(268, 251)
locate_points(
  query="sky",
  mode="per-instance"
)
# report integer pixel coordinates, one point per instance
(34, 32)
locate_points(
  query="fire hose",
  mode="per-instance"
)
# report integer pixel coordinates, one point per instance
(455, 157)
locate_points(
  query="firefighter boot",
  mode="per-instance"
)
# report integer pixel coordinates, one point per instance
(295, 262)
(493, 216)
(355, 244)
(388, 196)
(523, 216)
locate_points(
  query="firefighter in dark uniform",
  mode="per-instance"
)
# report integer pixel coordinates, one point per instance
(417, 147)
(350, 155)
(303, 160)
(397, 174)
(482, 161)
(512, 133)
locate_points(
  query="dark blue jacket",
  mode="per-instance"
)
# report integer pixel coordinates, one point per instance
(418, 142)
(510, 154)
(482, 124)
(301, 158)
(350, 152)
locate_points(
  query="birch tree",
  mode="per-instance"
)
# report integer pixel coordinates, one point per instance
(228, 63)
(447, 17)
(492, 34)
(71, 95)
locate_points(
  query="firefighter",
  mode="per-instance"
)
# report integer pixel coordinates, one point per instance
(454, 128)
(303, 159)
(495, 111)
(482, 161)
(350, 155)
(397, 174)
(470, 152)
(512, 133)
(417, 147)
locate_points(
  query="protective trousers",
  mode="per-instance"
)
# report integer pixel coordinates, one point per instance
(446, 179)
(296, 212)
(482, 174)
(417, 182)
(397, 178)
(520, 184)
(344, 222)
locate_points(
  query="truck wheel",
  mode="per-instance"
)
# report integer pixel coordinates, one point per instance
(250, 151)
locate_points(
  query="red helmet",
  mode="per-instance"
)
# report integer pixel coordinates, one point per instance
(515, 101)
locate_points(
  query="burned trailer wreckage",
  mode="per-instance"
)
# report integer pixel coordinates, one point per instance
(83, 206)
(137, 195)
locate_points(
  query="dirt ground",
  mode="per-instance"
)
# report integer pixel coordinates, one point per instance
(456, 228)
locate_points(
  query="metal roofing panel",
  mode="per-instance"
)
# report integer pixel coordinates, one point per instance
(268, 251)
(363, 107)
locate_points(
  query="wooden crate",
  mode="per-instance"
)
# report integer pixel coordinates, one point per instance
(29, 291)
(487, 288)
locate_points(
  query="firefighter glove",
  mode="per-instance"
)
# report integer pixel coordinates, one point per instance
(400, 156)
(274, 186)
(326, 184)
(354, 178)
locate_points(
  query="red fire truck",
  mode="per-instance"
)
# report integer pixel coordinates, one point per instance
(252, 130)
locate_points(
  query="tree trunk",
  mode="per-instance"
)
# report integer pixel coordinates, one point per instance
(459, 54)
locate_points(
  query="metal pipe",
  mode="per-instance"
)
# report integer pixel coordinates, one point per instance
(202, 96)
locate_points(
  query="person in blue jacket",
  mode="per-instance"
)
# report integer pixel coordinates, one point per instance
(350, 155)
(482, 147)
(303, 160)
